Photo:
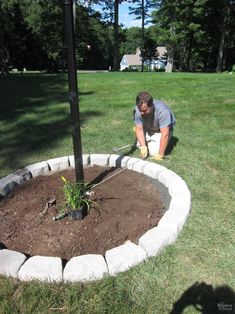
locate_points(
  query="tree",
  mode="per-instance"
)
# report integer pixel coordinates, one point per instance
(226, 25)
(111, 13)
(198, 34)
(133, 39)
(45, 19)
(111, 9)
(116, 39)
(149, 52)
(180, 27)
(17, 40)
(4, 52)
(141, 12)
(164, 19)
(98, 35)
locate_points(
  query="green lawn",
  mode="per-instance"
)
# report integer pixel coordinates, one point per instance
(199, 268)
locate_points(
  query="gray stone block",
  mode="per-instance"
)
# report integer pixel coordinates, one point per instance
(153, 170)
(140, 165)
(132, 162)
(85, 268)
(177, 186)
(38, 169)
(155, 239)
(180, 203)
(6, 185)
(124, 161)
(58, 164)
(42, 268)
(99, 159)
(10, 262)
(166, 177)
(123, 257)
(115, 160)
(173, 219)
(13, 179)
(21, 176)
(85, 160)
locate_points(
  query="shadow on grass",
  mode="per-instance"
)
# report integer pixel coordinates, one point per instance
(35, 115)
(206, 299)
(172, 144)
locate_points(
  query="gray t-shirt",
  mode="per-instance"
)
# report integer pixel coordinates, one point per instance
(161, 117)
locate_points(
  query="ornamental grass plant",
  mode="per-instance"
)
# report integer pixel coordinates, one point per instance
(77, 199)
(76, 194)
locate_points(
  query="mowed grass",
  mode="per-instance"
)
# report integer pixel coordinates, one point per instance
(194, 274)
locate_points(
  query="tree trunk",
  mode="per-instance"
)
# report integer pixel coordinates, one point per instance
(219, 67)
(4, 58)
(143, 15)
(170, 61)
(116, 36)
(74, 15)
(189, 53)
(221, 52)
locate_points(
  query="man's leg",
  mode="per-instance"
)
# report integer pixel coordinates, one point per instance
(154, 142)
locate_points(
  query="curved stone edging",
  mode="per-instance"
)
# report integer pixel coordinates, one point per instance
(94, 266)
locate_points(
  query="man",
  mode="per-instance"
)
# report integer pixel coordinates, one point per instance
(154, 122)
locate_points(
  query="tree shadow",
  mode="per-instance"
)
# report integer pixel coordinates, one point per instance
(35, 111)
(206, 299)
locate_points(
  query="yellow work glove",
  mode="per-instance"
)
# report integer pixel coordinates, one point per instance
(143, 151)
(158, 157)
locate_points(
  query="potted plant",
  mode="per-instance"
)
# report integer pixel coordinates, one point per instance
(77, 201)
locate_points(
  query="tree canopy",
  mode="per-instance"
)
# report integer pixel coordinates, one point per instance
(198, 34)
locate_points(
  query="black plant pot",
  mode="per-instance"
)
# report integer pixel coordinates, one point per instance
(78, 214)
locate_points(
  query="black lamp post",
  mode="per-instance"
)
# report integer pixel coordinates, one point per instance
(73, 89)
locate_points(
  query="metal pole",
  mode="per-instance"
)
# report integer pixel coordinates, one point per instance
(73, 89)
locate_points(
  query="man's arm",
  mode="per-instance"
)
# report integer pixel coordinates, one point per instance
(165, 133)
(139, 132)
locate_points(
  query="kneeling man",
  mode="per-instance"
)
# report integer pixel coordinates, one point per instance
(154, 123)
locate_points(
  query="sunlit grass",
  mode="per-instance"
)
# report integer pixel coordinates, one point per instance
(35, 125)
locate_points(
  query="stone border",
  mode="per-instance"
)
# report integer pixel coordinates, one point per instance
(94, 266)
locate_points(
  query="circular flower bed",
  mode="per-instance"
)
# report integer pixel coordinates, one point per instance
(95, 266)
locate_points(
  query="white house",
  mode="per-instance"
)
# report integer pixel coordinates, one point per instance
(134, 61)
(131, 61)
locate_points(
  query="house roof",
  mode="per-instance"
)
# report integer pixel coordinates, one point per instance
(136, 59)
(161, 50)
(133, 59)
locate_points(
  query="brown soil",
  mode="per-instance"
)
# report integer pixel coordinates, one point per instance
(129, 205)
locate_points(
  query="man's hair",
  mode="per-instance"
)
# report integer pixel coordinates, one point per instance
(144, 97)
